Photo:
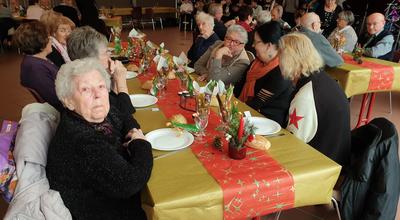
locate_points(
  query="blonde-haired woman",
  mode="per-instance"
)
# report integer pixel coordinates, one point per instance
(319, 112)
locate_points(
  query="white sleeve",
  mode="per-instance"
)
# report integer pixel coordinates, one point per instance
(303, 120)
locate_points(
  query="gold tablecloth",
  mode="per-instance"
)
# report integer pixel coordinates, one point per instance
(354, 79)
(181, 188)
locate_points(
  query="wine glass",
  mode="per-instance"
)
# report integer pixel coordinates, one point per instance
(201, 120)
(161, 84)
(183, 82)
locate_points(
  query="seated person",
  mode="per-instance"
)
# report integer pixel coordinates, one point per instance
(225, 60)
(319, 113)
(59, 28)
(377, 42)
(98, 160)
(215, 10)
(34, 11)
(263, 87)
(328, 13)
(245, 15)
(311, 27)
(185, 11)
(263, 17)
(66, 8)
(343, 27)
(87, 42)
(205, 39)
(37, 72)
(276, 15)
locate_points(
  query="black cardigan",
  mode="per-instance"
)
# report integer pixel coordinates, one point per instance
(276, 106)
(96, 176)
(199, 47)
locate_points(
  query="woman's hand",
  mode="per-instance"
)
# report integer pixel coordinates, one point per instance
(221, 52)
(133, 135)
(202, 77)
(118, 73)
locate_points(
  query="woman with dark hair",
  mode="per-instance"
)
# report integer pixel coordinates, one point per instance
(328, 13)
(37, 72)
(263, 87)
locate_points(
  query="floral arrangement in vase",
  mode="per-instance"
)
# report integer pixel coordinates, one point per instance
(238, 131)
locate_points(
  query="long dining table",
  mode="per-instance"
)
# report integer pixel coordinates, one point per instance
(180, 186)
(371, 76)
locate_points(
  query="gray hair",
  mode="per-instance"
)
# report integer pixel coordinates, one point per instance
(263, 17)
(204, 17)
(347, 16)
(240, 30)
(85, 42)
(64, 81)
(213, 8)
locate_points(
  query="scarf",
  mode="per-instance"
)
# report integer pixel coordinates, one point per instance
(256, 71)
(60, 48)
(246, 26)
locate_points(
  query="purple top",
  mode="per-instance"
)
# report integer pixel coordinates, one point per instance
(39, 74)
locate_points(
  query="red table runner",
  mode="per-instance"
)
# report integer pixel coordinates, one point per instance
(255, 186)
(382, 76)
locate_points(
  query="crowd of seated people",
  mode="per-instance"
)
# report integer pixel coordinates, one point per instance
(278, 71)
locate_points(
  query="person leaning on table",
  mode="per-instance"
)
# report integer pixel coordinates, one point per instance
(319, 113)
(97, 159)
(225, 60)
(87, 42)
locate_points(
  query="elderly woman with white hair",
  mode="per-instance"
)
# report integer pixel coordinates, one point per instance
(225, 60)
(319, 113)
(205, 39)
(98, 160)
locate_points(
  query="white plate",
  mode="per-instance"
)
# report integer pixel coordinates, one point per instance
(131, 74)
(143, 100)
(168, 139)
(265, 126)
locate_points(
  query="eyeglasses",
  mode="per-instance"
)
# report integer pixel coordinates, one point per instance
(233, 42)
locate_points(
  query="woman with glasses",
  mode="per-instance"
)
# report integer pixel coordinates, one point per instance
(225, 60)
(263, 87)
(59, 28)
(343, 27)
(207, 37)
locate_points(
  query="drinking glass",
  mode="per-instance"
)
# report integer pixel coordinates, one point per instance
(201, 120)
(161, 85)
(183, 83)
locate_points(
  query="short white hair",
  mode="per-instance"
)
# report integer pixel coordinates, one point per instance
(64, 82)
(240, 30)
(204, 17)
(263, 17)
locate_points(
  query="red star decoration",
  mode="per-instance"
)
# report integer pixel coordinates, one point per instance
(294, 119)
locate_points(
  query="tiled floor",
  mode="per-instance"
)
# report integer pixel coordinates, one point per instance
(13, 97)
